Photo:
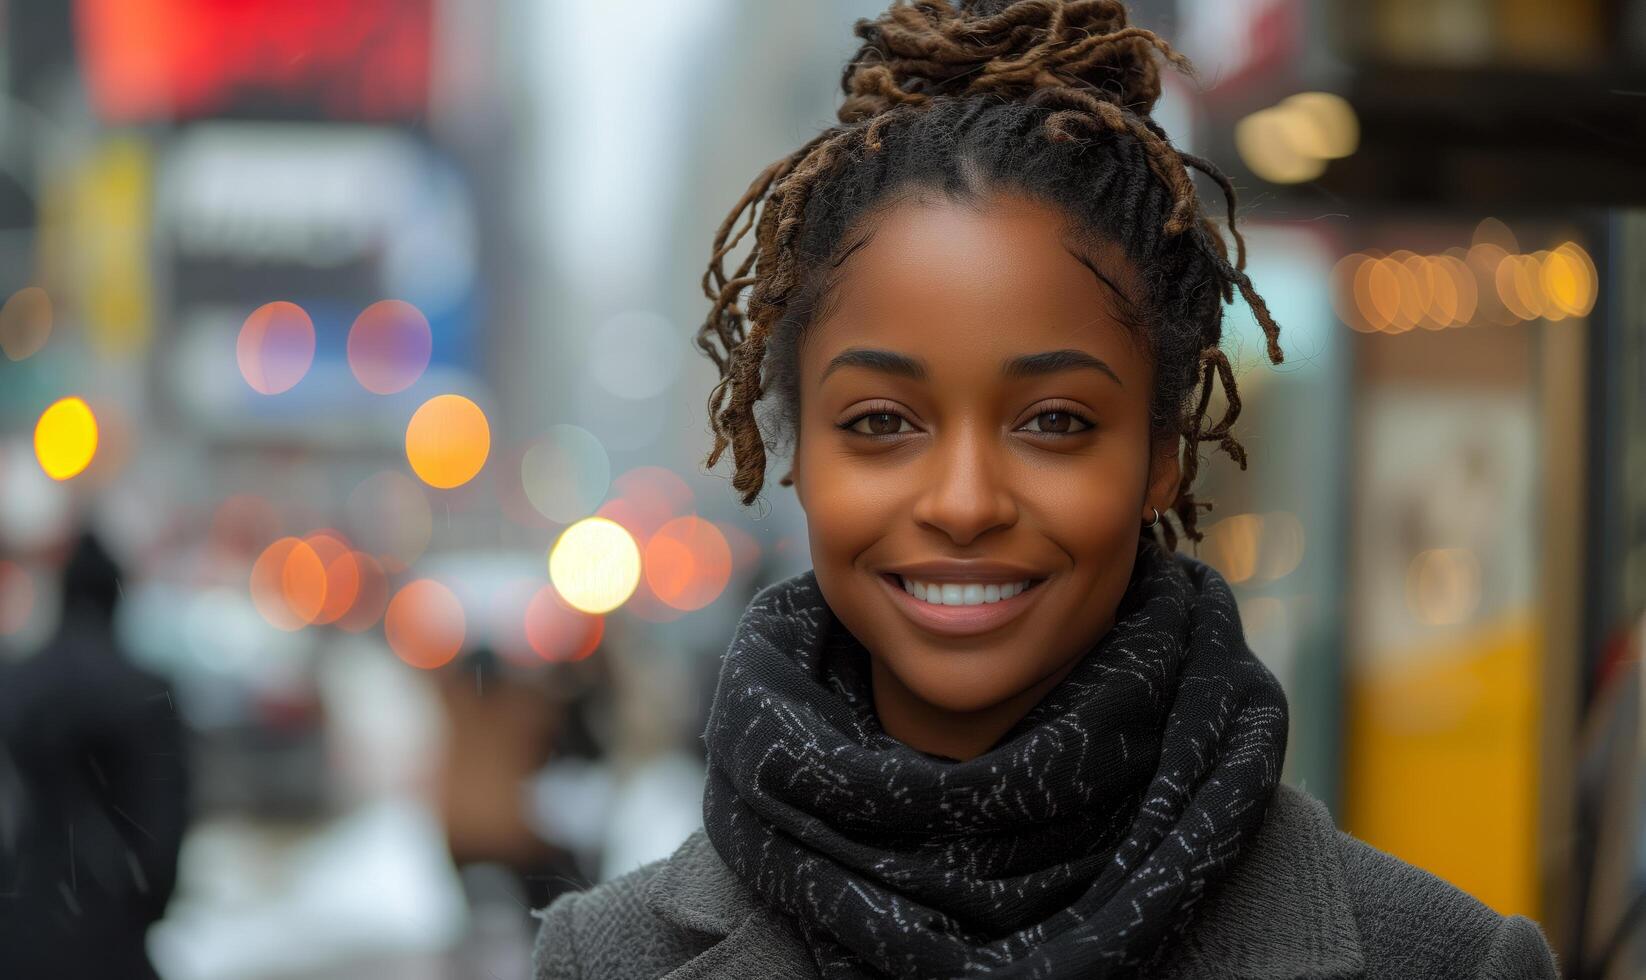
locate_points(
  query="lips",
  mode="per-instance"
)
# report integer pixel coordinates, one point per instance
(964, 620)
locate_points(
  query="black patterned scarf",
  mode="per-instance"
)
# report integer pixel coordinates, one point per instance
(1077, 846)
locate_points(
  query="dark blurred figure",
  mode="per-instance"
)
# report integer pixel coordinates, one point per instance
(92, 793)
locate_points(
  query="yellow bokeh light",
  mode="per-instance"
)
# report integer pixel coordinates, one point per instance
(1232, 546)
(1266, 141)
(1568, 280)
(1325, 125)
(595, 565)
(447, 441)
(65, 438)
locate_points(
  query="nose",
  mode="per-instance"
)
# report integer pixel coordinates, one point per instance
(966, 491)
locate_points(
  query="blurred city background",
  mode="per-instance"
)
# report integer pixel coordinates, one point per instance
(358, 339)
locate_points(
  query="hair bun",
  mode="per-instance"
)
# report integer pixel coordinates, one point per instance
(1007, 48)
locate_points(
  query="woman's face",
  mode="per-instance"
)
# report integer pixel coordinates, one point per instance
(973, 416)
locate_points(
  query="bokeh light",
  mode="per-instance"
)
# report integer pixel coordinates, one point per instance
(1493, 232)
(1484, 258)
(390, 518)
(1344, 300)
(65, 438)
(1515, 284)
(1231, 546)
(25, 322)
(1463, 280)
(276, 347)
(1383, 293)
(566, 473)
(288, 584)
(1414, 294)
(340, 573)
(1280, 546)
(1461, 287)
(389, 346)
(559, 633)
(1570, 280)
(424, 624)
(647, 497)
(595, 565)
(1267, 141)
(447, 441)
(372, 596)
(688, 563)
(1322, 124)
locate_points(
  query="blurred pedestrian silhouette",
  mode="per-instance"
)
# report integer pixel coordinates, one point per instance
(92, 792)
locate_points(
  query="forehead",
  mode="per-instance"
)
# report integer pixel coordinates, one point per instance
(970, 282)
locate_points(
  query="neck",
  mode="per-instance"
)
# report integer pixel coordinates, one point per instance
(959, 735)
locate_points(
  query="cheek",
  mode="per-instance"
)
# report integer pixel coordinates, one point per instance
(848, 505)
(1087, 506)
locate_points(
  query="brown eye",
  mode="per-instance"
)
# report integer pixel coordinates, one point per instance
(1058, 422)
(878, 422)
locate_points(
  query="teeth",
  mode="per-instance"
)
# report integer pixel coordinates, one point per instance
(962, 594)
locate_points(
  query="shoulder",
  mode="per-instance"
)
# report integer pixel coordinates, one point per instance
(612, 929)
(1413, 920)
(1304, 899)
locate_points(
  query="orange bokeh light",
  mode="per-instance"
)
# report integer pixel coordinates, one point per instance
(341, 574)
(557, 632)
(370, 600)
(447, 441)
(424, 624)
(688, 563)
(1344, 273)
(288, 584)
(645, 498)
(1383, 294)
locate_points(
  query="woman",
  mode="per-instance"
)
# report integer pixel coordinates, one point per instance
(1001, 728)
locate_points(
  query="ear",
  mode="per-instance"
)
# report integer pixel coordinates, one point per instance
(1165, 470)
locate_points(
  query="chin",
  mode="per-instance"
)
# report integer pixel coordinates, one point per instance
(961, 682)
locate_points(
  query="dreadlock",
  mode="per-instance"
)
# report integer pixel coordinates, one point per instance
(1051, 98)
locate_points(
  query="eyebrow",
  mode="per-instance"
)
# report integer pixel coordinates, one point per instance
(1022, 366)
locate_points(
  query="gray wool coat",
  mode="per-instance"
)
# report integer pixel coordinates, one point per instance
(1304, 900)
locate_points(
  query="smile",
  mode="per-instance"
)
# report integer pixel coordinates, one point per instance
(976, 607)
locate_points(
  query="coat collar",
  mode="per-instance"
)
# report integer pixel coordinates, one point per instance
(1285, 912)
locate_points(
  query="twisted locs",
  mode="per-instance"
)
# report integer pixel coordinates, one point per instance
(1080, 60)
